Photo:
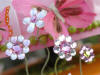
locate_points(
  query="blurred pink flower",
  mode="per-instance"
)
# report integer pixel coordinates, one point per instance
(77, 13)
(95, 4)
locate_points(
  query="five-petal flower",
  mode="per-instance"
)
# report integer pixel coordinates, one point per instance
(35, 19)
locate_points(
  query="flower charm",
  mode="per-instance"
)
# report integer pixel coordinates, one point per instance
(86, 54)
(65, 48)
(17, 47)
(35, 19)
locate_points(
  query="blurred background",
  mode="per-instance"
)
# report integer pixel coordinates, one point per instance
(36, 61)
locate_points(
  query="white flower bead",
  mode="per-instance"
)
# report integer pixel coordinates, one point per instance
(91, 51)
(8, 52)
(86, 61)
(61, 55)
(68, 57)
(56, 50)
(14, 39)
(20, 38)
(74, 45)
(40, 24)
(69, 74)
(61, 38)
(33, 12)
(83, 57)
(68, 39)
(90, 59)
(26, 42)
(13, 56)
(84, 47)
(9, 45)
(73, 52)
(81, 51)
(31, 27)
(21, 56)
(25, 49)
(26, 20)
(41, 14)
(66, 48)
(57, 42)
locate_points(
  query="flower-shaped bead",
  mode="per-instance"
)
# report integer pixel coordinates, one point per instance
(86, 54)
(17, 47)
(35, 19)
(65, 47)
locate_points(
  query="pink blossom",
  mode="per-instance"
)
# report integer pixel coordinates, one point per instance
(76, 13)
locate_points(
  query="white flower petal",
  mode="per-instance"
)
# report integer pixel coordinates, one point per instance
(66, 48)
(20, 38)
(57, 42)
(13, 56)
(84, 48)
(25, 50)
(9, 45)
(86, 61)
(33, 11)
(61, 38)
(61, 55)
(81, 52)
(56, 50)
(90, 59)
(26, 42)
(8, 52)
(40, 24)
(68, 39)
(91, 50)
(68, 57)
(74, 45)
(82, 57)
(14, 39)
(41, 14)
(21, 56)
(73, 52)
(26, 20)
(31, 27)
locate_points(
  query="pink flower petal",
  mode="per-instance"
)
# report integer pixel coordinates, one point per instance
(50, 28)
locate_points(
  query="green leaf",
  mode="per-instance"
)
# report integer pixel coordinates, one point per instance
(3, 48)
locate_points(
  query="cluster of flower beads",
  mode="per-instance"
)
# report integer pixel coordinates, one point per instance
(86, 54)
(35, 19)
(65, 47)
(17, 47)
(7, 21)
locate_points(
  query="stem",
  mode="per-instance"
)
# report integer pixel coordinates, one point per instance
(37, 34)
(26, 66)
(45, 64)
(80, 62)
(55, 67)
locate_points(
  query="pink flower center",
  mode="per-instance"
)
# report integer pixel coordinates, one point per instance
(33, 19)
(18, 48)
(65, 47)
